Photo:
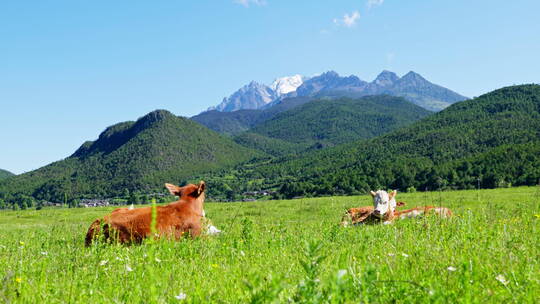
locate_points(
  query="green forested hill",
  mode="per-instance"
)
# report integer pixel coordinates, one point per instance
(332, 122)
(5, 174)
(492, 140)
(232, 123)
(229, 123)
(137, 156)
(269, 145)
(489, 141)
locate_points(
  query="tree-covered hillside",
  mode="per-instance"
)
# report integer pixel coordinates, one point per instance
(492, 140)
(5, 174)
(331, 122)
(131, 156)
(229, 123)
(232, 123)
(489, 141)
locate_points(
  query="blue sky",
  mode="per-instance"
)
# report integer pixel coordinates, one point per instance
(69, 69)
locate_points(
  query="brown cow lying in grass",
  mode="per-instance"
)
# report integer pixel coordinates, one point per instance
(174, 220)
(383, 209)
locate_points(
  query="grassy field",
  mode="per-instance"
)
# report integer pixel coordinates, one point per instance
(287, 251)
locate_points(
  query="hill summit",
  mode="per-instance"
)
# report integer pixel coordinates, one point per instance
(135, 155)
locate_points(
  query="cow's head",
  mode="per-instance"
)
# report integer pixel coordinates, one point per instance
(384, 203)
(189, 190)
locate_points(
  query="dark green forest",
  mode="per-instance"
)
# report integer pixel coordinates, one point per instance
(488, 142)
(333, 122)
(324, 123)
(233, 123)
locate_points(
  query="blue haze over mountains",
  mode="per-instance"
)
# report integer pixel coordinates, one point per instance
(412, 86)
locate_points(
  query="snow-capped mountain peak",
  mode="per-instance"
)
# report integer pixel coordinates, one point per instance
(251, 96)
(411, 86)
(287, 84)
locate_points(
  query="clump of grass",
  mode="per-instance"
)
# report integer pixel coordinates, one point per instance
(153, 224)
(308, 290)
(265, 290)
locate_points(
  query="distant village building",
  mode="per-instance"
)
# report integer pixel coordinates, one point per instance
(259, 193)
(86, 203)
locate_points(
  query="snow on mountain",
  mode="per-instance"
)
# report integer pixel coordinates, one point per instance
(411, 86)
(287, 84)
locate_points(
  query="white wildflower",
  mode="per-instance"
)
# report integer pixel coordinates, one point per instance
(158, 260)
(212, 230)
(128, 269)
(44, 253)
(405, 255)
(341, 273)
(242, 253)
(451, 268)
(103, 262)
(181, 296)
(391, 254)
(502, 279)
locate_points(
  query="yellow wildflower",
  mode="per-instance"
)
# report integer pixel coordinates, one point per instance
(21, 243)
(537, 215)
(18, 280)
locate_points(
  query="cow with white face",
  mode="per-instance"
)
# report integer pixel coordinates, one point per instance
(383, 210)
(384, 205)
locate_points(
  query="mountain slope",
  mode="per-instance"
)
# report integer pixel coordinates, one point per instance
(412, 87)
(229, 123)
(138, 156)
(251, 96)
(328, 82)
(332, 122)
(415, 88)
(232, 123)
(5, 174)
(450, 149)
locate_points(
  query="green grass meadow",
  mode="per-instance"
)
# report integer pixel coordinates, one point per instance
(287, 251)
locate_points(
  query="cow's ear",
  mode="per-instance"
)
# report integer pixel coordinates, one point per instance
(400, 204)
(201, 187)
(174, 190)
(373, 193)
(393, 194)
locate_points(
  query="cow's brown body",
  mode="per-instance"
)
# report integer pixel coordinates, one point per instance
(426, 210)
(364, 215)
(384, 211)
(175, 220)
